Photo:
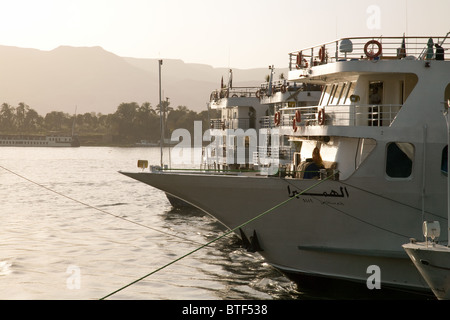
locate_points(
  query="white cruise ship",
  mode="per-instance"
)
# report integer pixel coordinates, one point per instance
(38, 141)
(382, 137)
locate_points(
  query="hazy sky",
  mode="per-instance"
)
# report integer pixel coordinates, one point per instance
(222, 33)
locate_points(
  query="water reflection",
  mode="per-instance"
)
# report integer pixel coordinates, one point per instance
(242, 275)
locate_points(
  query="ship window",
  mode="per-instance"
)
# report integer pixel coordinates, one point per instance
(333, 93)
(376, 92)
(336, 94)
(350, 89)
(399, 159)
(328, 94)
(444, 160)
(341, 93)
(323, 94)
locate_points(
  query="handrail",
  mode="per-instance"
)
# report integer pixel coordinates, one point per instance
(343, 115)
(233, 92)
(359, 48)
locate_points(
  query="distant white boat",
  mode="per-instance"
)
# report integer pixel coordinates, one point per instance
(145, 143)
(38, 141)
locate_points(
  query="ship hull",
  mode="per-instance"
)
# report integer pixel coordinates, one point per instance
(332, 230)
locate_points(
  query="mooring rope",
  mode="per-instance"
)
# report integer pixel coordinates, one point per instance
(95, 208)
(220, 237)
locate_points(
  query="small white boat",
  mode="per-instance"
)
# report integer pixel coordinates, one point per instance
(432, 260)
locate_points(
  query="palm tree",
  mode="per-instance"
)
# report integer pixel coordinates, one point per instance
(21, 111)
(7, 117)
(33, 121)
(146, 108)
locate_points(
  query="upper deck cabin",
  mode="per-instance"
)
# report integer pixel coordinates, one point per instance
(239, 107)
(367, 81)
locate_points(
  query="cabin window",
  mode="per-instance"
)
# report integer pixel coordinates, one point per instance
(375, 100)
(333, 93)
(376, 93)
(341, 93)
(399, 159)
(324, 91)
(328, 94)
(444, 160)
(350, 90)
(337, 93)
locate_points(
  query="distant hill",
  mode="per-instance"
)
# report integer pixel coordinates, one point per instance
(95, 80)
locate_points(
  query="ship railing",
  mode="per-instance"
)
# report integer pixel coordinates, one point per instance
(268, 89)
(238, 123)
(234, 92)
(276, 83)
(267, 122)
(342, 115)
(370, 48)
(267, 155)
(216, 124)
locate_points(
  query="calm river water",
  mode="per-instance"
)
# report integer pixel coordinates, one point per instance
(72, 227)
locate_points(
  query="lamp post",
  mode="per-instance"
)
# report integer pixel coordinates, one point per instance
(161, 123)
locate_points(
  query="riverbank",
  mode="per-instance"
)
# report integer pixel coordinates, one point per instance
(104, 140)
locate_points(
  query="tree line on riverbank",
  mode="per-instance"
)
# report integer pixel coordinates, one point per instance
(129, 124)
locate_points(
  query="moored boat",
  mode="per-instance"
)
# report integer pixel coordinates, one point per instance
(382, 171)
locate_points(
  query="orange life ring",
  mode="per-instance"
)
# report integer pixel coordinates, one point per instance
(322, 54)
(371, 54)
(257, 94)
(277, 118)
(321, 117)
(294, 125)
(298, 116)
(301, 62)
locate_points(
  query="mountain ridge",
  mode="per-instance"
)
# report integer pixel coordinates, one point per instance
(92, 79)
